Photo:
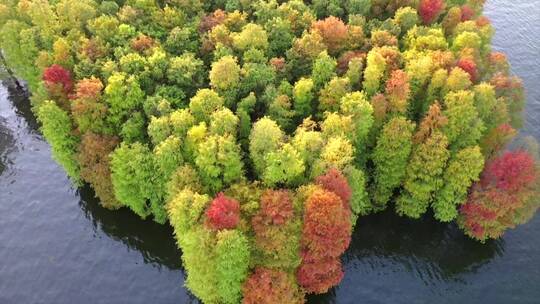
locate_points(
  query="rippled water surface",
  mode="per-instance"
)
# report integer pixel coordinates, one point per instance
(58, 246)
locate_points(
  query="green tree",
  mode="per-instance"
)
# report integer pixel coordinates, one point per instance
(390, 158)
(284, 166)
(324, 69)
(303, 97)
(463, 169)
(132, 171)
(464, 127)
(232, 264)
(424, 175)
(123, 96)
(374, 73)
(57, 128)
(219, 161)
(265, 137)
(204, 103)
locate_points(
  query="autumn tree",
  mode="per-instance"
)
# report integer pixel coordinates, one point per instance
(463, 169)
(505, 196)
(390, 158)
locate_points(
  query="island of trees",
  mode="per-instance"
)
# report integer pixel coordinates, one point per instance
(262, 131)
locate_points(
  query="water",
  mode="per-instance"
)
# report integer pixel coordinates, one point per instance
(58, 246)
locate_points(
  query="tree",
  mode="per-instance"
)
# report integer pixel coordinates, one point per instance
(334, 33)
(398, 92)
(283, 166)
(324, 69)
(463, 169)
(303, 97)
(430, 10)
(375, 68)
(325, 236)
(423, 175)
(123, 95)
(167, 158)
(57, 128)
(132, 170)
(331, 94)
(95, 165)
(204, 103)
(265, 137)
(251, 36)
(186, 71)
(225, 74)
(184, 211)
(219, 162)
(505, 196)
(223, 213)
(464, 127)
(390, 158)
(277, 231)
(232, 264)
(223, 122)
(269, 286)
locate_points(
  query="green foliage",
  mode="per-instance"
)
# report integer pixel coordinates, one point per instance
(57, 129)
(423, 176)
(219, 162)
(463, 169)
(159, 104)
(232, 262)
(390, 158)
(132, 171)
(265, 137)
(204, 103)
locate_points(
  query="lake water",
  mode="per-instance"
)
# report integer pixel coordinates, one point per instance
(58, 246)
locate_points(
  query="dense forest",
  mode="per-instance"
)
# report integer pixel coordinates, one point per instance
(262, 131)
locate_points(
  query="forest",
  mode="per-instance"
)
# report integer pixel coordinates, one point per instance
(262, 131)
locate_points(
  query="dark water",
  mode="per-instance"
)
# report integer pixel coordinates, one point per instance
(58, 246)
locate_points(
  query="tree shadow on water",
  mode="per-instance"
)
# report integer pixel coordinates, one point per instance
(154, 241)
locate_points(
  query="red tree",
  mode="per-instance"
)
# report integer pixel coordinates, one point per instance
(223, 213)
(320, 275)
(469, 66)
(276, 207)
(335, 182)
(430, 10)
(467, 13)
(326, 235)
(504, 197)
(58, 80)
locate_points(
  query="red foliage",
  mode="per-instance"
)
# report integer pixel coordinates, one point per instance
(276, 207)
(56, 77)
(510, 172)
(334, 181)
(327, 225)
(269, 286)
(469, 66)
(326, 235)
(320, 275)
(223, 213)
(333, 31)
(430, 10)
(467, 13)
(502, 197)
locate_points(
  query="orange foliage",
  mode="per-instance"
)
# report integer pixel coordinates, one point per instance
(333, 31)
(269, 286)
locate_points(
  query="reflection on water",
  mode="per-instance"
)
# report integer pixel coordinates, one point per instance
(154, 241)
(59, 246)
